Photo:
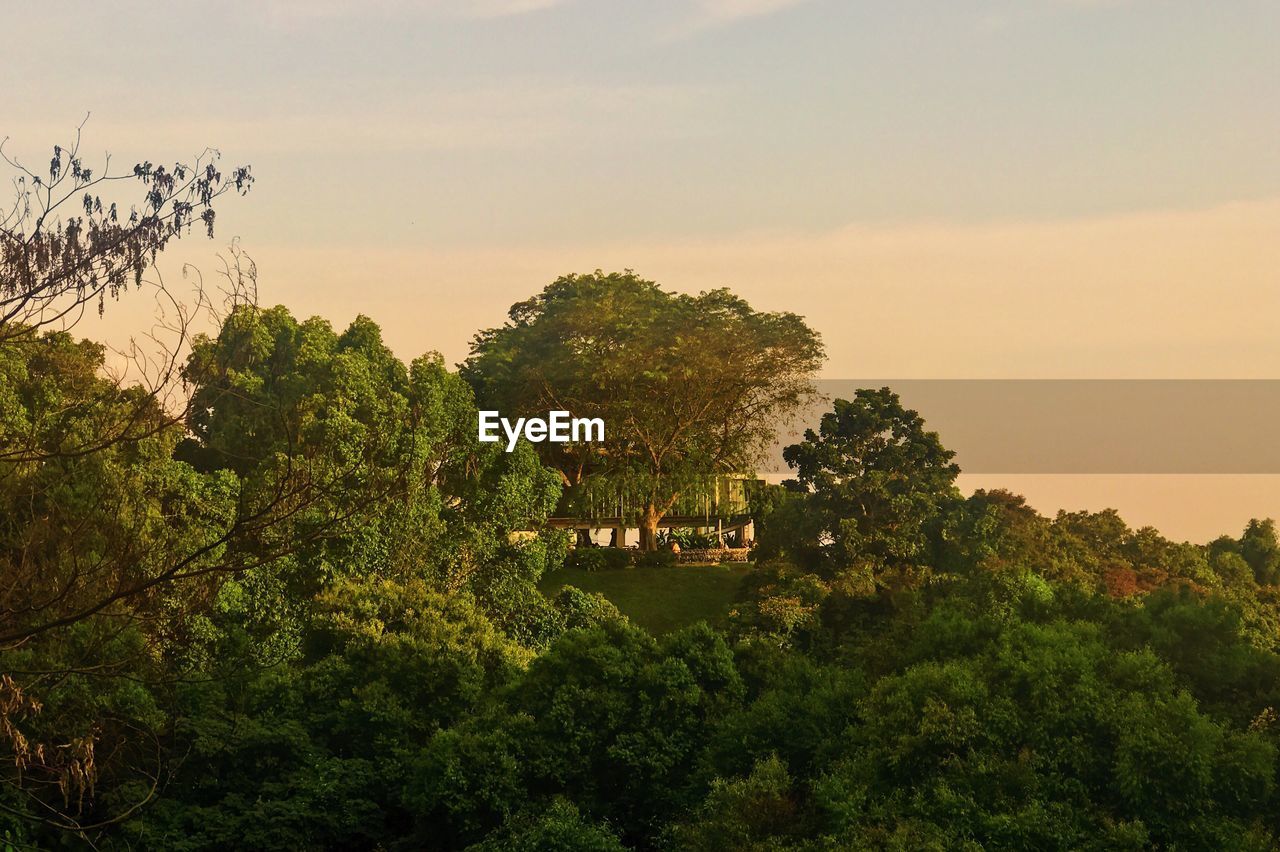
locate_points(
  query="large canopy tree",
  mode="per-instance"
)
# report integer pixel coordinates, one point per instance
(689, 387)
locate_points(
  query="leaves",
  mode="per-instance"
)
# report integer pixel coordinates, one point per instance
(689, 387)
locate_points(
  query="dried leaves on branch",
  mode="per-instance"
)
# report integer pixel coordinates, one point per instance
(66, 244)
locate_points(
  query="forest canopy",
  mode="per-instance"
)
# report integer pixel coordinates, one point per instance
(905, 666)
(306, 608)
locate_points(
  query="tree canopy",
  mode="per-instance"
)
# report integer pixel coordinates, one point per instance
(877, 483)
(305, 607)
(689, 387)
(904, 667)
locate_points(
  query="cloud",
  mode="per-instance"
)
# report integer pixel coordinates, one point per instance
(1153, 294)
(508, 8)
(712, 14)
(503, 115)
(292, 11)
(1003, 19)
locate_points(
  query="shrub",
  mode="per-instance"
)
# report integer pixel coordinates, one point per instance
(656, 559)
(688, 539)
(598, 558)
(584, 609)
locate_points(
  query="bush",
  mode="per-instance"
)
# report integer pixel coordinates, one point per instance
(612, 558)
(598, 558)
(584, 609)
(688, 539)
(656, 559)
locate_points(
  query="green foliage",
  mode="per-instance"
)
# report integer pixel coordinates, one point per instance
(758, 812)
(1261, 550)
(88, 518)
(405, 658)
(278, 687)
(370, 431)
(584, 609)
(688, 386)
(786, 529)
(318, 754)
(655, 559)
(607, 716)
(662, 599)
(688, 539)
(1044, 737)
(560, 828)
(614, 558)
(598, 559)
(877, 484)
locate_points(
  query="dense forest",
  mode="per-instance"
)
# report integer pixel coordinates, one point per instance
(297, 606)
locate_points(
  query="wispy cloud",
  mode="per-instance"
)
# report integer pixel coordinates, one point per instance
(1050, 299)
(508, 8)
(283, 11)
(505, 115)
(1094, 3)
(1002, 19)
(711, 14)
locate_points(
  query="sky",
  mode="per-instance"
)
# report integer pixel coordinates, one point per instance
(944, 188)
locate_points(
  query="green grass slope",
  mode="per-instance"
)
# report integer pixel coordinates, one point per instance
(659, 599)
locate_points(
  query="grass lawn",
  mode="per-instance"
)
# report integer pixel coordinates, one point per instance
(659, 599)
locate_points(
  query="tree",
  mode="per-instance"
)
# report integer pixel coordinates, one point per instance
(876, 479)
(314, 754)
(689, 387)
(1260, 549)
(607, 716)
(394, 444)
(86, 533)
(319, 468)
(70, 239)
(560, 828)
(95, 511)
(752, 814)
(64, 247)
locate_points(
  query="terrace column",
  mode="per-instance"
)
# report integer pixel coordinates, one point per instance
(621, 536)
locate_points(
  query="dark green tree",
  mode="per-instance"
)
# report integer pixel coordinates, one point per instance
(877, 481)
(1261, 549)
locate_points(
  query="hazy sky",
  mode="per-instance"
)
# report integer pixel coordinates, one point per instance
(953, 188)
(528, 121)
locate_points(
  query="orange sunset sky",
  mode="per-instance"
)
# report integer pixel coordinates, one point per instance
(960, 189)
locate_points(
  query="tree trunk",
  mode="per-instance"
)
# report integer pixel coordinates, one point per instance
(649, 527)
